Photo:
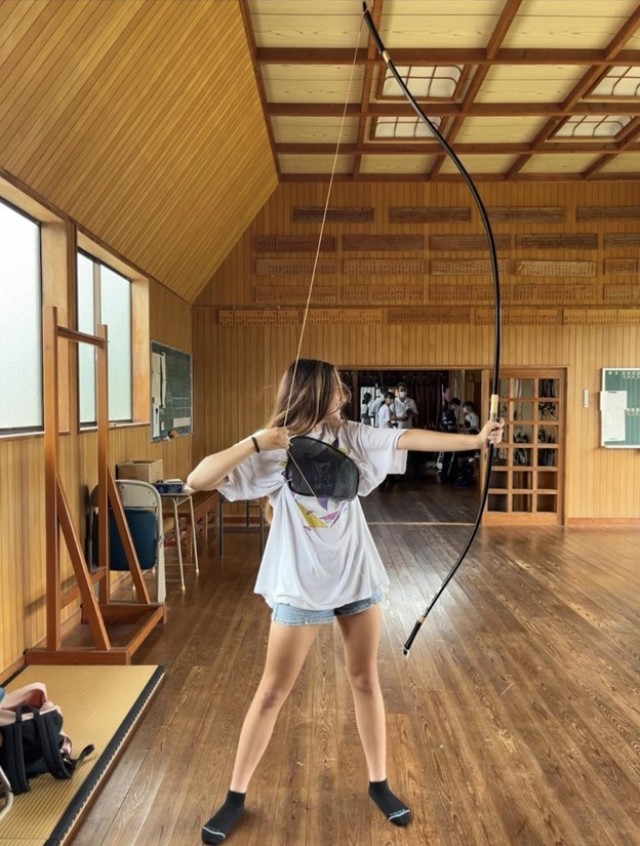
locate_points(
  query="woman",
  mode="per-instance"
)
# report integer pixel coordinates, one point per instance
(320, 564)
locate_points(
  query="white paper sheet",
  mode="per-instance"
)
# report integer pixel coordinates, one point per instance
(613, 400)
(613, 425)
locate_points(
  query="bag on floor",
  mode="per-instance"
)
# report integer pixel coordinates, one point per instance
(31, 738)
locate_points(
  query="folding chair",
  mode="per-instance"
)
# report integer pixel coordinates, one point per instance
(143, 511)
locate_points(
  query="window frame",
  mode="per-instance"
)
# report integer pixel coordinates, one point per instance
(140, 331)
(36, 428)
(97, 264)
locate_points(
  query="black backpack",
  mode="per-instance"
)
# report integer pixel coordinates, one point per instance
(31, 738)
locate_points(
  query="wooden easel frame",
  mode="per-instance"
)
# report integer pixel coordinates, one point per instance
(98, 612)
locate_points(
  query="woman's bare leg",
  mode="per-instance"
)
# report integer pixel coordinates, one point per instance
(361, 636)
(286, 653)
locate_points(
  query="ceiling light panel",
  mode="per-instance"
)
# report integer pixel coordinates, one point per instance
(598, 127)
(402, 128)
(621, 82)
(429, 82)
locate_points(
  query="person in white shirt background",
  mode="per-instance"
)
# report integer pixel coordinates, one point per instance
(377, 404)
(320, 564)
(406, 414)
(405, 408)
(385, 419)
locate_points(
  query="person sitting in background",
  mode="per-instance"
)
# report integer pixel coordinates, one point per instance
(471, 421)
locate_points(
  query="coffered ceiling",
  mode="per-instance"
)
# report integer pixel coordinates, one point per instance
(523, 89)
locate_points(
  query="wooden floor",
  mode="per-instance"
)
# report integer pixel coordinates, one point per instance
(514, 720)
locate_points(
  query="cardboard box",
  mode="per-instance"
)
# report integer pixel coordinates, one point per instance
(142, 471)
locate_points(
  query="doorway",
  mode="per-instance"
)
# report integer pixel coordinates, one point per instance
(432, 490)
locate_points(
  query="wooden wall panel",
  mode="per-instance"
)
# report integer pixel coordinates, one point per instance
(581, 324)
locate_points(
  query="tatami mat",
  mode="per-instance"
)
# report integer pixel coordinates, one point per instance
(101, 705)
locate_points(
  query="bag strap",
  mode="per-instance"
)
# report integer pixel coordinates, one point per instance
(60, 764)
(13, 755)
(48, 734)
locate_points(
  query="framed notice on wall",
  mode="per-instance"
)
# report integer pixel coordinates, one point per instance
(171, 392)
(620, 408)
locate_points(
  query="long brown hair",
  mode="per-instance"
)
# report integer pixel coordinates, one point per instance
(304, 395)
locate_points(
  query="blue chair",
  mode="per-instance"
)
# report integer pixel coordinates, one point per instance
(143, 512)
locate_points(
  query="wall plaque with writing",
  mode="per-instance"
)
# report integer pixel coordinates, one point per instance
(399, 243)
(556, 268)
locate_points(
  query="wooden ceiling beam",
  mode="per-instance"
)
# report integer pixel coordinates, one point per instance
(397, 148)
(419, 57)
(614, 49)
(402, 109)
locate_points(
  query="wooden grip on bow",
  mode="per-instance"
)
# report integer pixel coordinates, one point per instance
(493, 408)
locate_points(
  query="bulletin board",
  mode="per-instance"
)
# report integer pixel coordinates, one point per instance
(171, 392)
(620, 408)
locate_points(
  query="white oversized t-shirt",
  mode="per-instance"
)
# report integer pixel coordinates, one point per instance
(319, 554)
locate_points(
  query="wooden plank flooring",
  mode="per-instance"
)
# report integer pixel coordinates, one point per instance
(515, 719)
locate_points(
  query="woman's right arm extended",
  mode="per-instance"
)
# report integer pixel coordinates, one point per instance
(216, 467)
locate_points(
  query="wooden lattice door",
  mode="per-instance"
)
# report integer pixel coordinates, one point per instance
(526, 482)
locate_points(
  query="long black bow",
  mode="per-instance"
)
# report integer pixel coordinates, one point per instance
(493, 413)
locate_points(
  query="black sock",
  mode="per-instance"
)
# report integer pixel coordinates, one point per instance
(221, 823)
(393, 809)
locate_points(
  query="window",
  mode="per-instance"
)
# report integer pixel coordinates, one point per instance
(429, 82)
(104, 296)
(20, 322)
(403, 127)
(593, 126)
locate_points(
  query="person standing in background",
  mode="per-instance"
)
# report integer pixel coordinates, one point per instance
(405, 408)
(386, 417)
(365, 410)
(377, 404)
(406, 412)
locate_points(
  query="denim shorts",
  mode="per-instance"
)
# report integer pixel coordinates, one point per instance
(289, 615)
